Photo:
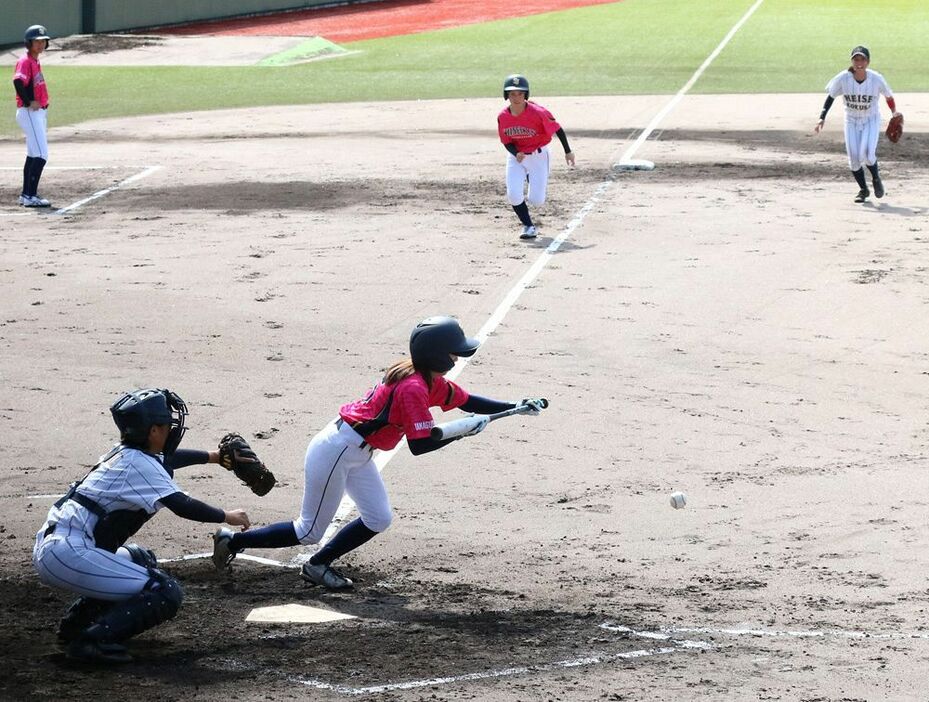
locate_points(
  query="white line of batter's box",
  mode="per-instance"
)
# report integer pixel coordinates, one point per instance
(666, 633)
(678, 646)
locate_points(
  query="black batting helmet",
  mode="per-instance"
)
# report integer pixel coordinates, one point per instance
(136, 412)
(515, 82)
(36, 31)
(434, 339)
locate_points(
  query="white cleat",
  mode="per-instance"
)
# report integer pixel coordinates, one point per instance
(223, 554)
(33, 201)
(40, 201)
(529, 232)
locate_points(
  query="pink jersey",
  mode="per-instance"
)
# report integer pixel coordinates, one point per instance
(29, 71)
(530, 131)
(408, 413)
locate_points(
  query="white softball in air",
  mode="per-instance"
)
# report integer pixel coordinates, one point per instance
(678, 500)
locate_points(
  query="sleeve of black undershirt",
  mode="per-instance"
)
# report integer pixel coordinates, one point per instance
(186, 457)
(484, 405)
(189, 508)
(511, 147)
(826, 106)
(563, 138)
(420, 446)
(24, 91)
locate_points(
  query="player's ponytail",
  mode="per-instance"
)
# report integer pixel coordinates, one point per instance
(404, 369)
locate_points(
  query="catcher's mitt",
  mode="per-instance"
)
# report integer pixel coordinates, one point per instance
(895, 127)
(236, 455)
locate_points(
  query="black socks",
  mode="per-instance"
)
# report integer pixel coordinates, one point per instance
(859, 178)
(27, 174)
(522, 211)
(875, 175)
(350, 537)
(31, 181)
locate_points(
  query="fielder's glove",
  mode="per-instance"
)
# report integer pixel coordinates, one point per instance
(895, 127)
(533, 405)
(236, 455)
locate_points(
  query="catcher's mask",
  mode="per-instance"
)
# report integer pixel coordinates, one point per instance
(515, 82)
(137, 411)
(434, 339)
(36, 31)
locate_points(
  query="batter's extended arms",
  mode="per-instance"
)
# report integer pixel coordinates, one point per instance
(466, 425)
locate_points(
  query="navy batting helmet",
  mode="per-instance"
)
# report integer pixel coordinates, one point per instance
(36, 31)
(434, 339)
(515, 82)
(136, 412)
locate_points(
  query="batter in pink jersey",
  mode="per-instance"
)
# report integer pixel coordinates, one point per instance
(339, 458)
(526, 129)
(31, 113)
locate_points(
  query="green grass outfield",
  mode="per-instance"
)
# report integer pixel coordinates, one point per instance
(631, 47)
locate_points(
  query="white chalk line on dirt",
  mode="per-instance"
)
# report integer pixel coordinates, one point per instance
(672, 103)
(595, 659)
(106, 191)
(665, 632)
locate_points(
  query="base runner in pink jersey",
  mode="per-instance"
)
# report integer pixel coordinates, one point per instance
(339, 458)
(526, 129)
(31, 113)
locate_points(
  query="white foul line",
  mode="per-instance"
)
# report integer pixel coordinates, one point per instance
(775, 633)
(596, 659)
(513, 295)
(672, 103)
(100, 193)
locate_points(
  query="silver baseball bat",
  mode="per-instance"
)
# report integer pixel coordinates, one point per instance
(460, 427)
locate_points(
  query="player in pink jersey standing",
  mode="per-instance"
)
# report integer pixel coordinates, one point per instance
(339, 458)
(31, 113)
(526, 129)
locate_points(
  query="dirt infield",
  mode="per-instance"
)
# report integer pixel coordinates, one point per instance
(730, 325)
(379, 19)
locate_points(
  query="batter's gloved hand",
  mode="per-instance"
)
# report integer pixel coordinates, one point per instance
(895, 127)
(533, 405)
(482, 422)
(236, 455)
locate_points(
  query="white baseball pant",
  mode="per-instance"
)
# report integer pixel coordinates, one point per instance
(861, 142)
(335, 464)
(34, 124)
(534, 168)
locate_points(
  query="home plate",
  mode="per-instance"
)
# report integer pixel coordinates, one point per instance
(295, 613)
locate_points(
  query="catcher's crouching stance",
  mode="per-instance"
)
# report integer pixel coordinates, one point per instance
(81, 546)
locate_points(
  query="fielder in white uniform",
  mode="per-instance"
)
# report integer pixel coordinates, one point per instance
(81, 546)
(861, 88)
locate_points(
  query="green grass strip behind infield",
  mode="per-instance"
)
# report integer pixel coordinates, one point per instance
(631, 47)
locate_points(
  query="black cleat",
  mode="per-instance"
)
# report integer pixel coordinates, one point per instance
(878, 188)
(862, 195)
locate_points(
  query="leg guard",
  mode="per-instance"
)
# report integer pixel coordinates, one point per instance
(157, 603)
(83, 612)
(139, 555)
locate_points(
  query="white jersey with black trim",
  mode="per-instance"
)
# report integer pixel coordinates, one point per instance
(862, 100)
(128, 480)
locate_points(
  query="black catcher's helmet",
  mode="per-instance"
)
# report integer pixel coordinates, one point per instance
(515, 82)
(137, 411)
(36, 31)
(434, 339)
